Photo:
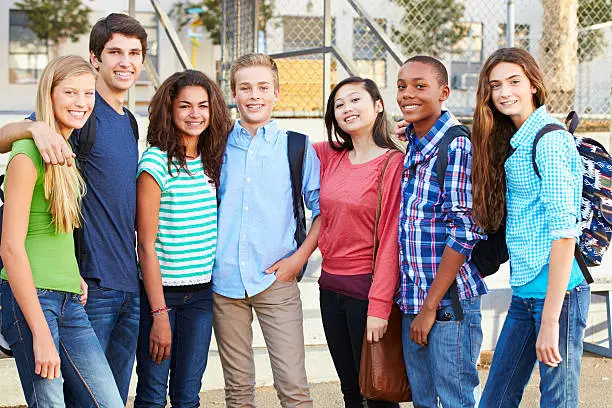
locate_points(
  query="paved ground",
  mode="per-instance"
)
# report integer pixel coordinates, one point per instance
(595, 389)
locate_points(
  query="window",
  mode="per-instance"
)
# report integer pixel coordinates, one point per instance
(469, 48)
(149, 22)
(521, 36)
(27, 53)
(369, 53)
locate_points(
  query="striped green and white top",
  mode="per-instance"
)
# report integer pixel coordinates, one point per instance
(187, 233)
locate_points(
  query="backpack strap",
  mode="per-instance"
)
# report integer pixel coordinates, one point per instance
(571, 122)
(442, 161)
(86, 138)
(133, 123)
(441, 165)
(296, 153)
(551, 127)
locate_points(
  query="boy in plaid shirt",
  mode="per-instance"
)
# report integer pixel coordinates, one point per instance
(436, 237)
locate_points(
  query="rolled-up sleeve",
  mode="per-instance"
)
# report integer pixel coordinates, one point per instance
(311, 181)
(461, 230)
(560, 168)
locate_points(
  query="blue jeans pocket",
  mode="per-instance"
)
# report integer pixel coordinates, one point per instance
(475, 341)
(583, 302)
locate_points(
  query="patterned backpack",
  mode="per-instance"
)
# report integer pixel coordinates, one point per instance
(596, 207)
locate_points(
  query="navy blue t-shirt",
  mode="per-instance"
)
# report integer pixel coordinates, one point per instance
(109, 207)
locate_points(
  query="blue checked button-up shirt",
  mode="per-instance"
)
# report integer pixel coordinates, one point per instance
(430, 219)
(255, 219)
(540, 210)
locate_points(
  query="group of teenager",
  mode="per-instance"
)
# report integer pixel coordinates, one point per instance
(211, 202)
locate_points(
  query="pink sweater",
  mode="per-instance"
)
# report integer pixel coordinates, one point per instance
(348, 198)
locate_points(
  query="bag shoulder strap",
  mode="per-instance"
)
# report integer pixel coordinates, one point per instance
(571, 122)
(442, 161)
(379, 207)
(86, 138)
(296, 153)
(133, 124)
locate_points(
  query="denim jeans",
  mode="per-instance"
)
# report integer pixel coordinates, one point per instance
(191, 325)
(344, 322)
(445, 370)
(84, 369)
(114, 316)
(515, 355)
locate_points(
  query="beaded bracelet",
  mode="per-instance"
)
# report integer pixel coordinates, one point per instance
(160, 311)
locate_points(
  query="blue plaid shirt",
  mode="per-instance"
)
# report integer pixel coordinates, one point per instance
(540, 210)
(430, 219)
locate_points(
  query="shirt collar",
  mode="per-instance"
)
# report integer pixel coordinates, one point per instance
(525, 132)
(268, 132)
(432, 138)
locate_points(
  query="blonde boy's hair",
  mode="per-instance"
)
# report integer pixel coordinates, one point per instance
(64, 186)
(253, 60)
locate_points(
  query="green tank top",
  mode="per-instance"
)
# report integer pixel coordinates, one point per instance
(51, 255)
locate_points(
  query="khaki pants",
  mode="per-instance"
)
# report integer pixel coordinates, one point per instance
(279, 311)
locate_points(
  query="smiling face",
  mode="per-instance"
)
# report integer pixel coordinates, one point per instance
(255, 96)
(420, 95)
(511, 92)
(355, 110)
(120, 62)
(191, 111)
(73, 100)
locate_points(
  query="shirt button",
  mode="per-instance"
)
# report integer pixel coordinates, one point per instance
(248, 180)
(243, 235)
(246, 208)
(250, 151)
(242, 263)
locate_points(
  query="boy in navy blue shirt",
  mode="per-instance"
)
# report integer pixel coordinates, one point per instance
(117, 46)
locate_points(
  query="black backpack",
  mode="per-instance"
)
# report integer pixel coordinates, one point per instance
(296, 152)
(596, 205)
(86, 137)
(487, 255)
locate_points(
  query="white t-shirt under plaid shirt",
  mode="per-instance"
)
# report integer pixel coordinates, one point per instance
(187, 233)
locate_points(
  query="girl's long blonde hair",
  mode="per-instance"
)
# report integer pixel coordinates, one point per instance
(64, 186)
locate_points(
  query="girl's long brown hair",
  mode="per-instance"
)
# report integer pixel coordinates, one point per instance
(162, 133)
(491, 135)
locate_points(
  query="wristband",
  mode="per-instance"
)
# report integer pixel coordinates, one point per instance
(160, 311)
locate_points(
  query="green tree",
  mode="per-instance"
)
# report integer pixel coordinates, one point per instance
(429, 26)
(56, 21)
(211, 15)
(592, 43)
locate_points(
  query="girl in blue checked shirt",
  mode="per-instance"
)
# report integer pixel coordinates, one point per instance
(550, 302)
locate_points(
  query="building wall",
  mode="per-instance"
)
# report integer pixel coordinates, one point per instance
(22, 96)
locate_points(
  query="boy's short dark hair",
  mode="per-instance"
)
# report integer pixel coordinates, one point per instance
(439, 68)
(117, 23)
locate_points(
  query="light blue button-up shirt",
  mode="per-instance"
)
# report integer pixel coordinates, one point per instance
(540, 210)
(256, 224)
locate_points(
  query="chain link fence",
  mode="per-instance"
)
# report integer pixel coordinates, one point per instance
(570, 39)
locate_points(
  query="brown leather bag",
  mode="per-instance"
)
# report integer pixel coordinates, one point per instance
(382, 372)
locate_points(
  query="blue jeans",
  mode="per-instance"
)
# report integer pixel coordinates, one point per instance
(114, 316)
(191, 324)
(515, 355)
(446, 368)
(84, 369)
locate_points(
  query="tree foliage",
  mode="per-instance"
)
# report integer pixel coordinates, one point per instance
(592, 43)
(55, 21)
(429, 26)
(211, 15)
